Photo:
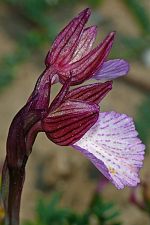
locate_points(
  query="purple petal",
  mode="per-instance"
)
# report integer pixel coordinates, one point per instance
(85, 44)
(112, 69)
(114, 148)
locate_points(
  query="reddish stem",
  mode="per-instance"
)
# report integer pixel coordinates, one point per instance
(14, 179)
(17, 177)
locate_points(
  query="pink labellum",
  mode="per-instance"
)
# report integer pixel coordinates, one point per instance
(70, 121)
(114, 148)
(90, 93)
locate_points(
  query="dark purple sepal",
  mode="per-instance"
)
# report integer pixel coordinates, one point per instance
(91, 92)
(67, 40)
(70, 121)
(86, 67)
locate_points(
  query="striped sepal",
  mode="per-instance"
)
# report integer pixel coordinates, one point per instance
(90, 93)
(85, 68)
(67, 40)
(86, 42)
(70, 121)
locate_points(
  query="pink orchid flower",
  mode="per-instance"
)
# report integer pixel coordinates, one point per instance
(72, 53)
(73, 118)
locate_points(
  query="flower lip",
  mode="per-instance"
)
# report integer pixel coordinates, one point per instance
(113, 146)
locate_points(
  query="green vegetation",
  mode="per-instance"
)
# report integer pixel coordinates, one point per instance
(100, 212)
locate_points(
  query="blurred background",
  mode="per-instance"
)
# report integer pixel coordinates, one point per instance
(62, 187)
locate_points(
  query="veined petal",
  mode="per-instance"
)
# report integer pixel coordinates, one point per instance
(85, 44)
(90, 93)
(112, 69)
(89, 64)
(67, 40)
(68, 123)
(114, 148)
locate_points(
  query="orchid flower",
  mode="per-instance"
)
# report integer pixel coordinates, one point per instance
(111, 143)
(73, 118)
(72, 53)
